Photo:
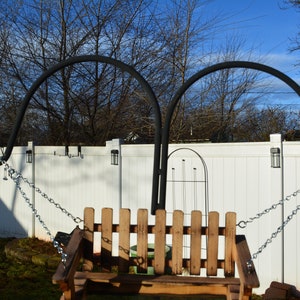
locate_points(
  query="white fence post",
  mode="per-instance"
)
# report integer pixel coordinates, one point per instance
(30, 159)
(277, 184)
(114, 148)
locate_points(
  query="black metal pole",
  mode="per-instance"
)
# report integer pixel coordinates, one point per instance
(171, 108)
(161, 139)
(101, 59)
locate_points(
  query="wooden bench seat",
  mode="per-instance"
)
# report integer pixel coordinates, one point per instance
(179, 272)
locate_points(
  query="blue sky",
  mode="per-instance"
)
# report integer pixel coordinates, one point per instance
(266, 26)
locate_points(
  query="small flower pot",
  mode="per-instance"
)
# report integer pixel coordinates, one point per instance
(150, 254)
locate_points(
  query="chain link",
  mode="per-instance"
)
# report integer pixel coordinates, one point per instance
(243, 224)
(17, 177)
(274, 234)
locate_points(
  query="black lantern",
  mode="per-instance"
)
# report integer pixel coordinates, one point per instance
(29, 156)
(275, 157)
(114, 157)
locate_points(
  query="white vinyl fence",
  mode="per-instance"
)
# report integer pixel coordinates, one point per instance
(222, 177)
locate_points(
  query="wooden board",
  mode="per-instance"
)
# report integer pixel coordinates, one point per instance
(160, 242)
(196, 223)
(230, 231)
(89, 216)
(124, 240)
(106, 238)
(212, 243)
(177, 242)
(159, 285)
(142, 241)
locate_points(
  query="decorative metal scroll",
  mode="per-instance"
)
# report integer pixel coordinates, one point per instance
(161, 138)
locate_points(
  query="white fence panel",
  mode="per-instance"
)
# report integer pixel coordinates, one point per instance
(15, 214)
(291, 166)
(239, 178)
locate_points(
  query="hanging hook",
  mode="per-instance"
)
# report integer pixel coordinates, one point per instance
(5, 174)
(242, 224)
(5, 170)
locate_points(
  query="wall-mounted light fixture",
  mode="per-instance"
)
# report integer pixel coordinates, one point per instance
(114, 157)
(29, 156)
(275, 157)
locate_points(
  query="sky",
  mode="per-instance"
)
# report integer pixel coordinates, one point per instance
(266, 26)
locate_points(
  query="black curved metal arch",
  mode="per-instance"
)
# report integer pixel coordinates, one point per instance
(161, 139)
(171, 107)
(101, 59)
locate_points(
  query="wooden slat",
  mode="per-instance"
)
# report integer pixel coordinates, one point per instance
(64, 275)
(247, 273)
(151, 229)
(106, 238)
(124, 240)
(65, 272)
(157, 285)
(196, 223)
(89, 215)
(212, 243)
(167, 279)
(142, 240)
(160, 241)
(230, 232)
(177, 242)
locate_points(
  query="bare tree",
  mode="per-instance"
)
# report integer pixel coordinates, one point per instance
(89, 102)
(219, 98)
(295, 40)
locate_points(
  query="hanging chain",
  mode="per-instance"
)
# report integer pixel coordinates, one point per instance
(274, 234)
(17, 177)
(243, 224)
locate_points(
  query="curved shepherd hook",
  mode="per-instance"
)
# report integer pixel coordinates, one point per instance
(160, 203)
(161, 139)
(101, 59)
